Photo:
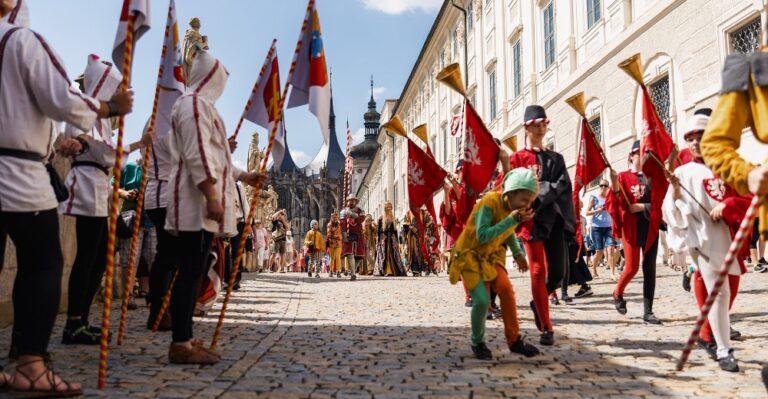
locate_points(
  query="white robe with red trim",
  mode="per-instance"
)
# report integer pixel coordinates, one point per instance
(35, 93)
(200, 151)
(88, 185)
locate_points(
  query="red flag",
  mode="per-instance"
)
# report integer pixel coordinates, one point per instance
(481, 153)
(425, 176)
(655, 147)
(589, 165)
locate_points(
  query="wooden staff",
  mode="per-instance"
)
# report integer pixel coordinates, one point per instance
(129, 281)
(736, 245)
(127, 55)
(257, 189)
(255, 87)
(166, 302)
(669, 173)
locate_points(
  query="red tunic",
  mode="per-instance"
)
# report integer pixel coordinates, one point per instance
(625, 223)
(460, 208)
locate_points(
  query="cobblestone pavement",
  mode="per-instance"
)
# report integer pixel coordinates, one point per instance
(288, 336)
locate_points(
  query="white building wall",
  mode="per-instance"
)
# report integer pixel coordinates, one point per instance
(686, 40)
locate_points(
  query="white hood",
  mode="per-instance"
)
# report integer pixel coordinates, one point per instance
(101, 80)
(207, 77)
(19, 15)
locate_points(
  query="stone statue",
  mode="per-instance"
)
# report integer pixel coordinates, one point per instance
(271, 198)
(193, 42)
(254, 155)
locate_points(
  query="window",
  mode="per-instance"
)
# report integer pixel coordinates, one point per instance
(445, 145)
(659, 91)
(549, 34)
(593, 12)
(455, 37)
(470, 17)
(433, 144)
(488, 2)
(596, 126)
(442, 59)
(746, 39)
(517, 73)
(492, 95)
(473, 100)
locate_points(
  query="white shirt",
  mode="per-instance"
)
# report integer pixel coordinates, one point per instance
(35, 93)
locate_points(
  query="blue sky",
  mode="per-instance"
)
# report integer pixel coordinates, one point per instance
(361, 37)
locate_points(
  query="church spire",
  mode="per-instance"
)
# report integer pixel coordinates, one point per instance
(371, 118)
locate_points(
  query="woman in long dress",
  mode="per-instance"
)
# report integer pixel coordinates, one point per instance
(370, 234)
(388, 260)
(412, 236)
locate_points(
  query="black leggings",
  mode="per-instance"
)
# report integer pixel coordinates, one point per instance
(196, 246)
(557, 255)
(231, 253)
(164, 264)
(37, 288)
(90, 262)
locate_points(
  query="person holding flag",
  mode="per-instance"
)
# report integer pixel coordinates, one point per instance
(37, 85)
(544, 236)
(479, 257)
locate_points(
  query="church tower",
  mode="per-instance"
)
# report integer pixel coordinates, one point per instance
(363, 153)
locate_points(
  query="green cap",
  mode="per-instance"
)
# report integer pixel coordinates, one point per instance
(520, 179)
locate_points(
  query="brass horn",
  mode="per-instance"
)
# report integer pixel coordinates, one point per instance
(511, 142)
(576, 102)
(451, 76)
(395, 125)
(633, 67)
(421, 132)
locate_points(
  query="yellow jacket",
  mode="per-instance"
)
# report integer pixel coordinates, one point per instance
(736, 109)
(480, 246)
(316, 238)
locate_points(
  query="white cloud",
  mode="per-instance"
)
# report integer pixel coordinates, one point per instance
(239, 164)
(358, 136)
(394, 7)
(377, 92)
(300, 157)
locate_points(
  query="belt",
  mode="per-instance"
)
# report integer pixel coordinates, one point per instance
(21, 154)
(92, 164)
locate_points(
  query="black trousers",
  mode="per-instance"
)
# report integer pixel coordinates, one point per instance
(37, 288)
(649, 276)
(164, 264)
(557, 256)
(231, 253)
(90, 262)
(193, 257)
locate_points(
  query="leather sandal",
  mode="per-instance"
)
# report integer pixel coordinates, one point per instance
(50, 377)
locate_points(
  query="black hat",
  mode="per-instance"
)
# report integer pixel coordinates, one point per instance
(635, 147)
(534, 114)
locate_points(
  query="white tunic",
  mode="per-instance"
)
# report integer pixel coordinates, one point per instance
(89, 184)
(159, 169)
(690, 228)
(200, 151)
(35, 92)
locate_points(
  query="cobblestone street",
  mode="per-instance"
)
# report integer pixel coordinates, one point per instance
(288, 336)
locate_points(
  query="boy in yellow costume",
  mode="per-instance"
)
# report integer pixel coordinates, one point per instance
(743, 102)
(315, 245)
(479, 257)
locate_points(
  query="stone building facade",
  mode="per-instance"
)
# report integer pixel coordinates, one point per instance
(523, 52)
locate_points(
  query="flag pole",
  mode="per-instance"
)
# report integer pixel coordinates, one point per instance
(129, 281)
(117, 173)
(736, 245)
(669, 173)
(257, 189)
(255, 87)
(166, 301)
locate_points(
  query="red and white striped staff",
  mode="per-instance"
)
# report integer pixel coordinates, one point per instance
(738, 242)
(348, 165)
(117, 173)
(129, 281)
(255, 87)
(257, 189)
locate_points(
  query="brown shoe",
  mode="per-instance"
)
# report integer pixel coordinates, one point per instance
(198, 343)
(178, 354)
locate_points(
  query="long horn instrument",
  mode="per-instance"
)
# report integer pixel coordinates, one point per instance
(633, 67)
(576, 102)
(421, 132)
(395, 125)
(451, 76)
(511, 142)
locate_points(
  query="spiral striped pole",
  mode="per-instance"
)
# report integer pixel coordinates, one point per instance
(110, 266)
(254, 197)
(738, 242)
(347, 166)
(255, 87)
(166, 302)
(129, 281)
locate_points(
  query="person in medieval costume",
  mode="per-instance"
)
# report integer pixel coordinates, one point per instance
(89, 189)
(353, 247)
(554, 218)
(431, 242)
(370, 234)
(315, 246)
(200, 205)
(454, 211)
(631, 218)
(412, 236)
(479, 257)
(703, 224)
(334, 237)
(388, 259)
(36, 94)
